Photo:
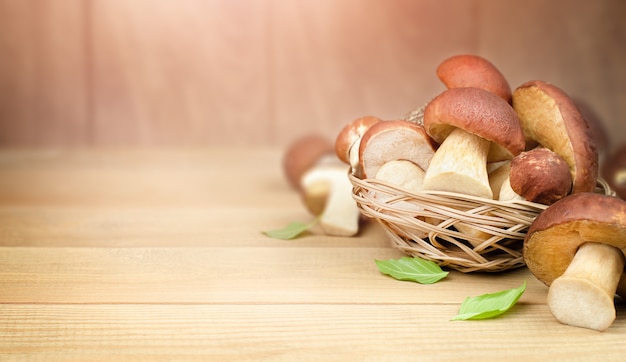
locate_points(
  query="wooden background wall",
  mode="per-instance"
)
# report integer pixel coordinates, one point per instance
(262, 72)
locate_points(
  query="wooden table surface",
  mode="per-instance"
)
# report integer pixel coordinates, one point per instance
(156, 254)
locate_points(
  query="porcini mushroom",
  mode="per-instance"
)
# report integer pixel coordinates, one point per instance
(312, 167)
(551, 118)
(467, 70)
(394, 140)
(538, 175)
(575, 247)
(473, 127)
(349, 139)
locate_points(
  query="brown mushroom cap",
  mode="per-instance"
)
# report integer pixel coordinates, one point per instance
(479, 112)
(550, 117)
(540, 175)
(473, 71)
(303, 154)
(394, 140)
(554, 237)
(350, 134)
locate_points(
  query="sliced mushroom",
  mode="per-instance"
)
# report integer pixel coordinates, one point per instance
(349, 139)
(551, 118)
(468, 70)
(394, 140)
(312, 167)
(539, 175)
(576, 248)
(473, 127)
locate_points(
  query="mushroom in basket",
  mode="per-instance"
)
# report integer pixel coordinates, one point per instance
(468, 70)
(390, 141)
(312, 168)
(576, 247)
(538, 175)
(349, 139)
(473, 127)
(552, 119)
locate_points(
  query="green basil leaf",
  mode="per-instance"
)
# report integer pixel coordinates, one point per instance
(489, 305)
(291, 231)
(412, 269)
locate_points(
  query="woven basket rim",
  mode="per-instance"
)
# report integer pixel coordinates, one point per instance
(502, 224)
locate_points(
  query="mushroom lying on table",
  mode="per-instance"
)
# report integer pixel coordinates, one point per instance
(538, 175)
(575, 247)
(313, 169)
(473, 127)
(551, 118)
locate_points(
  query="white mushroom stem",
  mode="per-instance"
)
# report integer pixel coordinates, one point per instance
(354, 156)
(498, 177)
(460, 165)
(340, 215)
(584, 295)
(507, 193)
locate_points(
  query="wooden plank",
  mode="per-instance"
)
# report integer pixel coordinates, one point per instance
(167, 227)
(230, 275)
(189, 72)
(336, 61)
(216, 177)
(295, 332)
(43, 79)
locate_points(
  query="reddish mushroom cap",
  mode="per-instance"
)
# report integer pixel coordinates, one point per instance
(468, 70)
(479, 112)
(541, 176)
(350, 134)
(303, 154)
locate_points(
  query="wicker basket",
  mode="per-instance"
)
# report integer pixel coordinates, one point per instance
(456, 231)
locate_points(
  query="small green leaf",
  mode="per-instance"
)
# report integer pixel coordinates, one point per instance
(412, 269)
(291, 231)
(489, 305)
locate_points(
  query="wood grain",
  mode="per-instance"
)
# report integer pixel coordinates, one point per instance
(180, 73)
(264, 72)
(201, 177)
(136, 254)
(573, 44)
(86, 226)
(293, 332)
(337, 61)
(229, 275)
(44, 91)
